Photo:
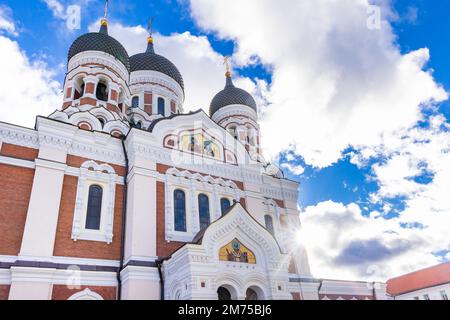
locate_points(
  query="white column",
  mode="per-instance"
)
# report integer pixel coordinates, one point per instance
(42, 217)
(140, 241)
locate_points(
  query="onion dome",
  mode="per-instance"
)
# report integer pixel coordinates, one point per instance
(151, 61)
(100, 41)
(231, 95)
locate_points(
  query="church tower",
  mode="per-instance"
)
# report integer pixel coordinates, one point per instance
(235, 110)
(156, 86)
(96, 92)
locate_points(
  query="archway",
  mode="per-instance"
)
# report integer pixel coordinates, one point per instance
(226, 293)
(254, 293)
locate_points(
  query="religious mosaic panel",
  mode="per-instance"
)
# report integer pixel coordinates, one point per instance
(198, 143)
(235, 251)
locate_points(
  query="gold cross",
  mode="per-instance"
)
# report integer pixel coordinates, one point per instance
(106, 10)
(151, 27)
(226, 62)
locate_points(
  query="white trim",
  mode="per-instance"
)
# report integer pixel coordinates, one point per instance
(86, 294)
(5, 277)
(17, 162)
(139, 273)
(106, 180)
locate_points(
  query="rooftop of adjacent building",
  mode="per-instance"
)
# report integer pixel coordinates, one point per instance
(421, 279)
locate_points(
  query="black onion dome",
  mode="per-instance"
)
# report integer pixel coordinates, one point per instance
(100, 41)
(231, 95)
(151, 61)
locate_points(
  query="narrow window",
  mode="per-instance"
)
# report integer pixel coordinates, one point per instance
(225, 204)
(135, 102)
(82, 89)
(269, 224)
(161, 107)
(94, 208)
(444, 295)
(203, 208)
(102, 92)
(180, 210)
(426, 297)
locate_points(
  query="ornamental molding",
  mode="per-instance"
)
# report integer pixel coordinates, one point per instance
(90, 171)
(86, 294)
(149, 77)
(86, 58)
(236, 110)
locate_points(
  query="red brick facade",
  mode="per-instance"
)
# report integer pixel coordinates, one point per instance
(61, 292)
(66, 247)
(14, 151)
(16, 184)
(76, 162)
(4, 292)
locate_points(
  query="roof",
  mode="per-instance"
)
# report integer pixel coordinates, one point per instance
(231, 95)
(425, 278)
(100, 41)
(149, 60)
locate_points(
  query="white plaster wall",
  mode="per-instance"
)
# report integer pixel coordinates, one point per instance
(42, 217)
(141, 216)
(30, 291)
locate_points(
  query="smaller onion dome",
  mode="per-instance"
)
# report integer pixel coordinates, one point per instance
(231, 95)
(100, 41)
(151, 61)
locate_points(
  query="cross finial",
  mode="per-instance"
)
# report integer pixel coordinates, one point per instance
(105, 16)
(150, 27)
(150, 31)
(106, 10)
(226, 62)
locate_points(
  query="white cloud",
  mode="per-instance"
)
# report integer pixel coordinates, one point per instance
(295, 169)
(343, 244)
(57, 8)
(27, 88)
(202, 68)
(6, 22)
(336, 83)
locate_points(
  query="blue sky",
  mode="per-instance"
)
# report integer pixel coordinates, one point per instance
(342, 181)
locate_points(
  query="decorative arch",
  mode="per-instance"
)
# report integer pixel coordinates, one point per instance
(86, 294)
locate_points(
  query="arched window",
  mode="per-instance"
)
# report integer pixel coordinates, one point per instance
(179, 200)
(223, 294)
(94, 208)
(269, 224)
(232, 130)
(102, 122)
(82, 89)
(161, 106)
(203, 211)
(102, 92)
(135, 102)
(225, 204)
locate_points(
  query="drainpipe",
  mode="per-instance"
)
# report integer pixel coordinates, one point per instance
(320, 288)
(124, 220)
(159, 264)
(373, 291)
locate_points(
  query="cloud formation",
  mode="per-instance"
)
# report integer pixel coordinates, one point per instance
(336, 82)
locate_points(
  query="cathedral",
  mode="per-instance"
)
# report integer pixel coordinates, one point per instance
(121, 195)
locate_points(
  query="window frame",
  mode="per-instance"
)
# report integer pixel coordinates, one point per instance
(104, 176)
(210, 218)
(272, 221)
(185, 211)
(158, 99)
(222, 213)
(89, 204)
(138, 102)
